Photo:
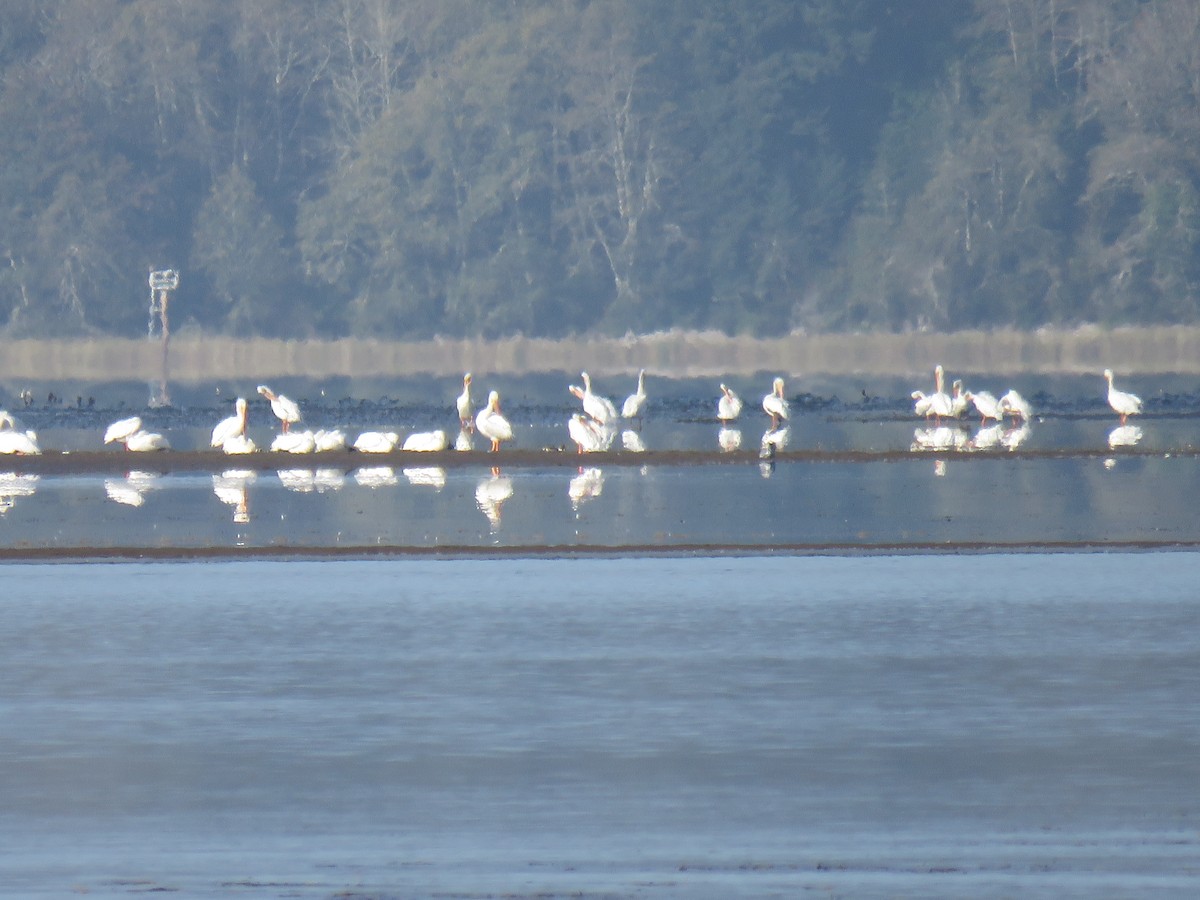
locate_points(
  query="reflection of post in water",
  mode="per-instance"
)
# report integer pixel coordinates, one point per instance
(162, 282)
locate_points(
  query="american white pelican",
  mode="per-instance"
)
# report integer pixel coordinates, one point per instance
(586, 433)
(1013, 404)
(286, 411)
(23, 443)
(922, 404)
(632, 409)
(491, 424)
(239, 444)
(775, 405)
(729, 406)
(142, 441)
(1123, 403)
(940, 404)
(959, 399)
(632, 441)
(122, 428)
(466, 410)
(426, 441)
(986, 405)
(376, 442)
(464, 442)
(329, 440)
(599, 408)
(232, 426)
(294, 442)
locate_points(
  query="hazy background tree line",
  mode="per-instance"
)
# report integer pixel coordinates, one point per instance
(405, 168)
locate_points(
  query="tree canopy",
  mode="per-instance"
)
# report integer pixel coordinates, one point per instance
(408, 168)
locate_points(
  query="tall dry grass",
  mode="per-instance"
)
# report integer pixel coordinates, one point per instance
(670, 354)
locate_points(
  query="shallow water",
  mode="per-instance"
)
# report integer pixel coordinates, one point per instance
(916, 726)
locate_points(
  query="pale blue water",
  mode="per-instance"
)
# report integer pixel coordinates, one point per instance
(919, 726)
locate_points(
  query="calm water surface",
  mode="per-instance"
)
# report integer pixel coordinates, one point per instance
(993, 725)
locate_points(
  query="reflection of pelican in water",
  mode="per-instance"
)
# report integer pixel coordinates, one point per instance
(490, 495)
(376, 477)
(773, 440)
(130, 490)
(632, 441)
(729, 439)
(426, 476)
(295, 442)
(302, 481)
(941, 437)
(328, 480)
(426, 441)
(231, 489)
(12, 486)
(1015, 437)
(589, 483)
(987, 438)
(1124, 436)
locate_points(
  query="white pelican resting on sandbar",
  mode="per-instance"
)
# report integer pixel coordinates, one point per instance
(328, 440)
(23, 443)
(426, 441)
(466, 410)
(491, 424)
(121, 429)
(634, 403)
(294, 442)
(729, 406)
(286, 410)
(142, 441)
(376, 442)
(599, 408)
(1123, 403)
(775, 405)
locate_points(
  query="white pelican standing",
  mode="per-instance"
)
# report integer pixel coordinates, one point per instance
(230, 434)
(466, 411)
(940, 404)
(959, 399)
(986, 405)
(285, 409)
(599, 408)
(775, 405)
(635, 401)
(729, 406)
(1013, 404)
(586, 433)
(491, 424)
(1123, 403)
(922, 404)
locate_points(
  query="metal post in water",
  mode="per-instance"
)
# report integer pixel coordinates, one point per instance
(162, 282)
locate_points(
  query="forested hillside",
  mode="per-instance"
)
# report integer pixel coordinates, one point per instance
(406, 168)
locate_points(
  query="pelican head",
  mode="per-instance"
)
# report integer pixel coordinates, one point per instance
(266, 392)
(1108, 373)
(576, 391)
(494, 400)
(778, 386)
(467, 379)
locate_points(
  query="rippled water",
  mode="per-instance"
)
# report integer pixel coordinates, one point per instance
(906, 726)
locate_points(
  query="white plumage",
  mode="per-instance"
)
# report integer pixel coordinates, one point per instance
(491, 424)
(1123, 403)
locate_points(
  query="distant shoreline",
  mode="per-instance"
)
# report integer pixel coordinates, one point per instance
(677, 354)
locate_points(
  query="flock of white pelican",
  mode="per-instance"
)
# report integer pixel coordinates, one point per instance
(595, 426)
